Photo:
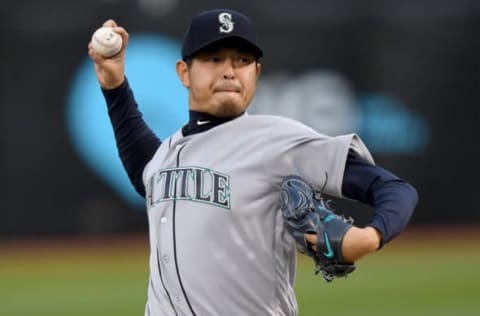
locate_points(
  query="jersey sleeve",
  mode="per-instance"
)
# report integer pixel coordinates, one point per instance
(136, 142)
(341, 166)
(294, 148)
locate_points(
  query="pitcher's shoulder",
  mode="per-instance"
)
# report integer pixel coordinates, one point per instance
(273, 120)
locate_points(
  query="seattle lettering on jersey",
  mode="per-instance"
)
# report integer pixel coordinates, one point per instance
(189, 183)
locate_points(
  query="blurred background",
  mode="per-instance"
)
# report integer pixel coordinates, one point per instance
(404, 75)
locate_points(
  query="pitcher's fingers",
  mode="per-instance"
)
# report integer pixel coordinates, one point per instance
(312, 239)
(94, 55)
(110, 23)
(123, 33)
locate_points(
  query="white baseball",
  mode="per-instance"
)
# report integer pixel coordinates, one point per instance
(106, 42)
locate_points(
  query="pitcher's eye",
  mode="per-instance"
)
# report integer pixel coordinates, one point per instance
(213, 59)
(245, 60)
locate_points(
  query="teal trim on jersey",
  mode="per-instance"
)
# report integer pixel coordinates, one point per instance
(330, 253)
(211, 192)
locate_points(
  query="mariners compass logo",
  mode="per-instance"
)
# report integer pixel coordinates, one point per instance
(226, 23)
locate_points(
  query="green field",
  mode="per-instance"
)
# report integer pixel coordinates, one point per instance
(419, 274)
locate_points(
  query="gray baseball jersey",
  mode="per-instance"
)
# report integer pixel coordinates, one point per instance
(218, 243)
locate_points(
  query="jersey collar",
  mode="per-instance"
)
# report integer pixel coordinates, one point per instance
(200, 122)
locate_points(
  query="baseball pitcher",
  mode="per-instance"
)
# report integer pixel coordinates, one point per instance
(231, 197)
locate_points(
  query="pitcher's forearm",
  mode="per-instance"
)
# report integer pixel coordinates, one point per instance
(359, 242)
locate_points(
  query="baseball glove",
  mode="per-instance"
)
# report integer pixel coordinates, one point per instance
(305, 211)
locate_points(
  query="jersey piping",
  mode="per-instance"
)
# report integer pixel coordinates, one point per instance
(175, 240)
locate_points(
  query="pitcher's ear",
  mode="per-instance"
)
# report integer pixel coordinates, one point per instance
(259, 69)
(182, 73)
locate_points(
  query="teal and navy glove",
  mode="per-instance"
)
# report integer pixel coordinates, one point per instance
(306, 212)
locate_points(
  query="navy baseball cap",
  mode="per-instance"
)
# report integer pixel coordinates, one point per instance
(218, 26)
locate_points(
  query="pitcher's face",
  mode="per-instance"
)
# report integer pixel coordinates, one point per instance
(221, 81)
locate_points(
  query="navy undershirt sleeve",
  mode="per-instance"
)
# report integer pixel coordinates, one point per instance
(392, 198)
(136, 142)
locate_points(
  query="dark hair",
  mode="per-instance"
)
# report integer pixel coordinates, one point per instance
(225, 43)
(188, 61)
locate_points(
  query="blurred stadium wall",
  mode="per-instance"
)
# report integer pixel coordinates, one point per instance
(404, 75)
